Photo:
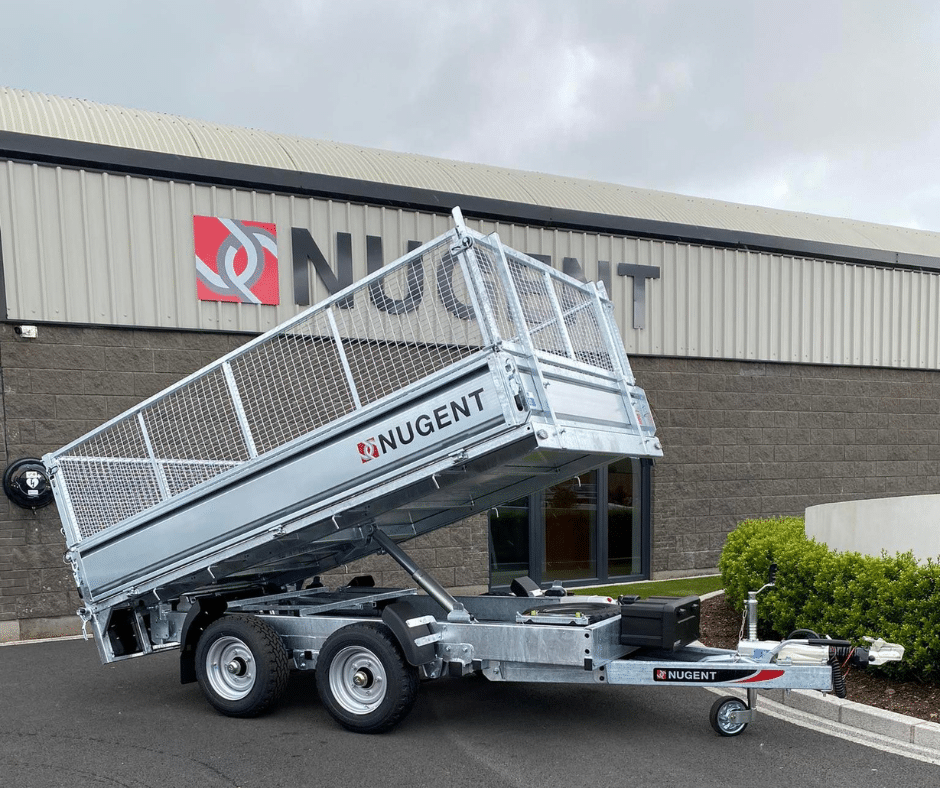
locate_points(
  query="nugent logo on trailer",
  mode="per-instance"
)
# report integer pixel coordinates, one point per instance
(424, 425)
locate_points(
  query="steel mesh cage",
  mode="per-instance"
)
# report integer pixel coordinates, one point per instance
(292, 384)
(394, 329)
(538, 310)
(111, 491)
(427, 311)
(423, 320)
(197, 422)
(580, 320)
(488, 257)
(560, 315)
(113, 477)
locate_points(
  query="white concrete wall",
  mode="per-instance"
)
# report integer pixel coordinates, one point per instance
(896, 525)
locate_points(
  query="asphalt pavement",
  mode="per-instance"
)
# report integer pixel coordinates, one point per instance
(67, 720)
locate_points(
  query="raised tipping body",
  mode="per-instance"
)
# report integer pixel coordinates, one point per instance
(463, 375)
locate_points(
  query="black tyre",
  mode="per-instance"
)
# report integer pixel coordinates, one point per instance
(721, 716)
(363, 679)
(241, 666)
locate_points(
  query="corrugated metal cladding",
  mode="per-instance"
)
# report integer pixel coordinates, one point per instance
(96, 248)
(87, 121)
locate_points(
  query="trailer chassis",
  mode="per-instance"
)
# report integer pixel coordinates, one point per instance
(371, 646)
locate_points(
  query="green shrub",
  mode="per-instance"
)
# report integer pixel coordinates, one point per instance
(845, 595)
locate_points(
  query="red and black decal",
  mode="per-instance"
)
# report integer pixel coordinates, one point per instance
(714, 675)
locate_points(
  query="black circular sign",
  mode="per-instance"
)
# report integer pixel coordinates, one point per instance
(27, 484)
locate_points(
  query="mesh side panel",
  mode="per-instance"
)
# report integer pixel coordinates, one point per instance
(388, 349)
(104, 492)
(292, 384)
(548, 339)
(196, 422)
(121, 440)
(580, 316)
(180, 476)
(100, 491)
(110, 477)
(578, 310)
(487, 259)
(538, 311)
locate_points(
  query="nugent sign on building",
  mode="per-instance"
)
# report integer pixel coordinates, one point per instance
(82, 246)
(130, 250)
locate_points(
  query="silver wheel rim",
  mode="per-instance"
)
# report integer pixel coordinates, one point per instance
(357, 680)
(231, 668)
(724, 717)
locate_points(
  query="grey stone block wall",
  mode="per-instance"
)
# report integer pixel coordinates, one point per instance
(56, 388)
(746, 439)
(457, 556)
(741, 440)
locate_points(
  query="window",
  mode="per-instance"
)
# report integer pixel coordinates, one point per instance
(592, 528)
(569, 513)
(509, 542)
(624, 536)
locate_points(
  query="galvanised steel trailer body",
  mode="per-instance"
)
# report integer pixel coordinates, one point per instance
(461, 376)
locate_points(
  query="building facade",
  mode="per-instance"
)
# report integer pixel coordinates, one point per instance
(789, 359)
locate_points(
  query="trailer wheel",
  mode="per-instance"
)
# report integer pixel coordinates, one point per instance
(241, 666)
(363, 679)
(720, 716)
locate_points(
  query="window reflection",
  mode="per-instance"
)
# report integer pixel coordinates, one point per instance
(623, 539)
(570, 529)
(587, 528)
(509, 542)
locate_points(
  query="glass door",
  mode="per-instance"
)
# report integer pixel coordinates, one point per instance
(624, 535)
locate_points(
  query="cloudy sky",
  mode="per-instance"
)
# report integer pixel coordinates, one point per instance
(829, 107)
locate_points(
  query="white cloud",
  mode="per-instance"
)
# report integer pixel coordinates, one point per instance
(570, 110)
(673, 80)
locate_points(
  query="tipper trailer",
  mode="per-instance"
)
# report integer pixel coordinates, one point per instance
(461, 376)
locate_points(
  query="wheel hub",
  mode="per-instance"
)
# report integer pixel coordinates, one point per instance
(729, 716)
(358, 680)
(230, 668)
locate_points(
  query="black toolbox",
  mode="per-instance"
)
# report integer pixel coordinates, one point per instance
(666, 622)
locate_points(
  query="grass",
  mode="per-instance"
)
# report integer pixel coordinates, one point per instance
(683, 586)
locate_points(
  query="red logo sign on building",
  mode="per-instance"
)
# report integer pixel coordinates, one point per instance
(235, 261)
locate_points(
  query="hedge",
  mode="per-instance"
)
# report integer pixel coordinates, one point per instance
(845, 595)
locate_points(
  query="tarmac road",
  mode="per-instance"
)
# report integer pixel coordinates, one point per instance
(69, 721)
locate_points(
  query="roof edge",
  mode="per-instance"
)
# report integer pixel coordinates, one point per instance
(167, 166)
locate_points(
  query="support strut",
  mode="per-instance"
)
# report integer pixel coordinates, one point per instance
(428, 583)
